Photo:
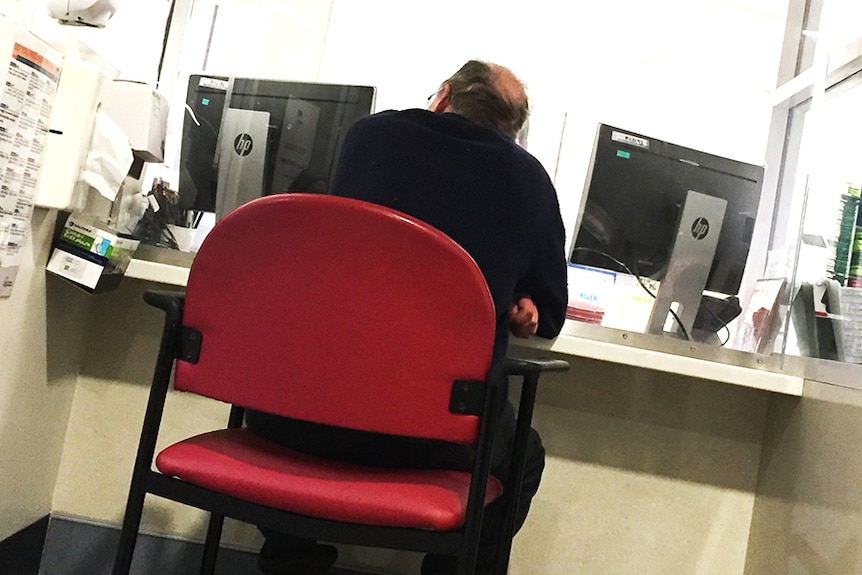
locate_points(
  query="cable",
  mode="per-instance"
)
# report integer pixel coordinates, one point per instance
(724, 326)
(640, 282)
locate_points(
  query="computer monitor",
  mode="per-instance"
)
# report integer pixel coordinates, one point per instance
(284, 136)
(645, 204)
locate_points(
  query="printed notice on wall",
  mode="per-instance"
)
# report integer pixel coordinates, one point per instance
(28, 89)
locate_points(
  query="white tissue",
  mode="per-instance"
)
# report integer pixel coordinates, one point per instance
(109, 158)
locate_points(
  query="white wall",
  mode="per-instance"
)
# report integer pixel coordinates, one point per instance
(694, 73)
(246, 38)
(131, 42)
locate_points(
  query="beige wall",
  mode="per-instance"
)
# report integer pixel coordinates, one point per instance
(37, 381)
(808, 512)
(647, 473)
(40, 331)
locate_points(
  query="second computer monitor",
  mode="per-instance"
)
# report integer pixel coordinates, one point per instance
(634, 195)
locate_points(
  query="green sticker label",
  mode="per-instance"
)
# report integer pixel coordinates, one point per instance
(623, 154)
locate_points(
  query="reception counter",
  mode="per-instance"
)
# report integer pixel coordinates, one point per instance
(577, 339)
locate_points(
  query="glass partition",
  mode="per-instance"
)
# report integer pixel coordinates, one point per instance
(816, 241)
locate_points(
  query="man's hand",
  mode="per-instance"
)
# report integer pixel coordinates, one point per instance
(523, 316)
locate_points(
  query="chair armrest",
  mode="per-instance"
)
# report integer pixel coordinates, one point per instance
(529, 370)
(527, 366)
(171, 301)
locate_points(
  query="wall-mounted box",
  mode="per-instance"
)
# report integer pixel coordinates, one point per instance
(71, 130)
(142, 112)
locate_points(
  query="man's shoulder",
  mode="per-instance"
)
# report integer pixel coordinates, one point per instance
(391, 116)
(529, 166)
(446, 123)
(386, 121)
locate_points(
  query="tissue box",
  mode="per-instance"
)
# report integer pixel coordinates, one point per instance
(90, 254)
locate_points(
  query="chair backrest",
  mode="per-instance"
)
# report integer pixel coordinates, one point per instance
(337, 311)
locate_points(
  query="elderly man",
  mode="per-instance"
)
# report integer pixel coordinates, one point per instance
(457, 167)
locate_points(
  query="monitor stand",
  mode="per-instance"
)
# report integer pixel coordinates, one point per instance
(690, 262)
(241, 158)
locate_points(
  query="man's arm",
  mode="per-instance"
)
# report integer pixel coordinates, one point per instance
(546, 281)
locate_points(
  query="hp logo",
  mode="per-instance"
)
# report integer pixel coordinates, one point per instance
(243, 145)
(700, 228)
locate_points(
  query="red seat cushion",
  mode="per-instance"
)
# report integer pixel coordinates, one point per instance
(238, 463)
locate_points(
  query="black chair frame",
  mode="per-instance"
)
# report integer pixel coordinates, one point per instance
(462, 542)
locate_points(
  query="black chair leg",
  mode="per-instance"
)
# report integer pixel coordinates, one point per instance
(211, 544)
(516, 473)
(129, 532)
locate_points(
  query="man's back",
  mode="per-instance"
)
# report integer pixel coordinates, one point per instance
(477, 186)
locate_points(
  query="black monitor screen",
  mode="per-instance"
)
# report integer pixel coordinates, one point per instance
(306, 126)
(635, 189)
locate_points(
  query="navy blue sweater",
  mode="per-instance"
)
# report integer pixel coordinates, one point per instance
(477, 186)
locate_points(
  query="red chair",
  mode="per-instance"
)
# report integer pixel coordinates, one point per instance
(339, 312)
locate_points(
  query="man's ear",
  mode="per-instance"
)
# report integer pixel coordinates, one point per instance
(440, 103)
